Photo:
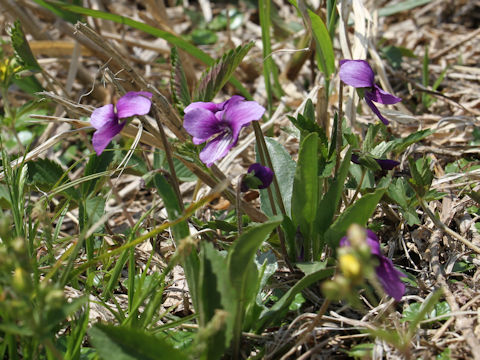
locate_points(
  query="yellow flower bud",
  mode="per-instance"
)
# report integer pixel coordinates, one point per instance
(350, 266)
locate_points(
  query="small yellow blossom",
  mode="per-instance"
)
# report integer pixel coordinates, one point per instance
(350, 266)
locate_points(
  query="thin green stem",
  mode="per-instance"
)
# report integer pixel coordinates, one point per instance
(238, 205)
(169, 156)
(359, 186)
(266, 160)
(339, 140)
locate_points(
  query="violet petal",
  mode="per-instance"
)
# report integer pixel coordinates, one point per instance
(374, 243)
(264, 173)
(390, 278)
(102, 116)
(201, 124)
(387, 164)
(217, 148)
(134, 103)
(241, 113)
(381, 96)
(210, 106)
(102, 137)
(356, 73)
(355, 159)
(376, 111)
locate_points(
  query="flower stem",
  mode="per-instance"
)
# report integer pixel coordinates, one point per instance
(168, 153)
(357, 190)
(266, 160)
(238, 206)
(339, 141)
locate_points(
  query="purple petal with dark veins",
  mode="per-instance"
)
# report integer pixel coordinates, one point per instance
(102, 137)
(356, 73)
(102, 116)
(134, 103)
(381, 96)
(390, 278)
(202, 124)
(376, 111)
(217, 148)
(241, 113)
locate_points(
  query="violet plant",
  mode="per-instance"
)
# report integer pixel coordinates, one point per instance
(303, 223)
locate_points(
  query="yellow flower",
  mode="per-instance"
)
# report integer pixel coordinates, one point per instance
(350, 266)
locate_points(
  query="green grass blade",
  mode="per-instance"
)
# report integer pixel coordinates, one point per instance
(324, 45)
(270, 71)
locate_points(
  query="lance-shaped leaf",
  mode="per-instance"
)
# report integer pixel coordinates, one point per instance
(22, 50)
(217, 75)
(178, 82)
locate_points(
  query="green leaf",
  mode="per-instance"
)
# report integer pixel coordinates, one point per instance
(401, 6)
(425, 308)
(361, 351)
(217, 75)
(203, 37)
(58, 11)
(22, 49)
(120, 343)
(284, 168)
(358, 213)
(272, 314)
(422, 176)
(215, 292)
(310, 267)
(55, 316)
(243, 273)
(324, 48)
(96, 164)
(399, 145)
(166, 192)
(305, 190)
(243, 252)
(369, 140)
(47, 175)
(178, 82)
(329, 203)
(270, 70)
(403, 195)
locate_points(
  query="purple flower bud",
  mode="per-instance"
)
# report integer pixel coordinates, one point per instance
(106, 118)
(388, 276)
(258, 177)
(359, 74)
(385, 164)
(220, 123)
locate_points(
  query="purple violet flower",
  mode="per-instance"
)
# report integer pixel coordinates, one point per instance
(220, 123)
(359, 74)
(385, 164)
(388, 276)
(258, 177)
(106, 118)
